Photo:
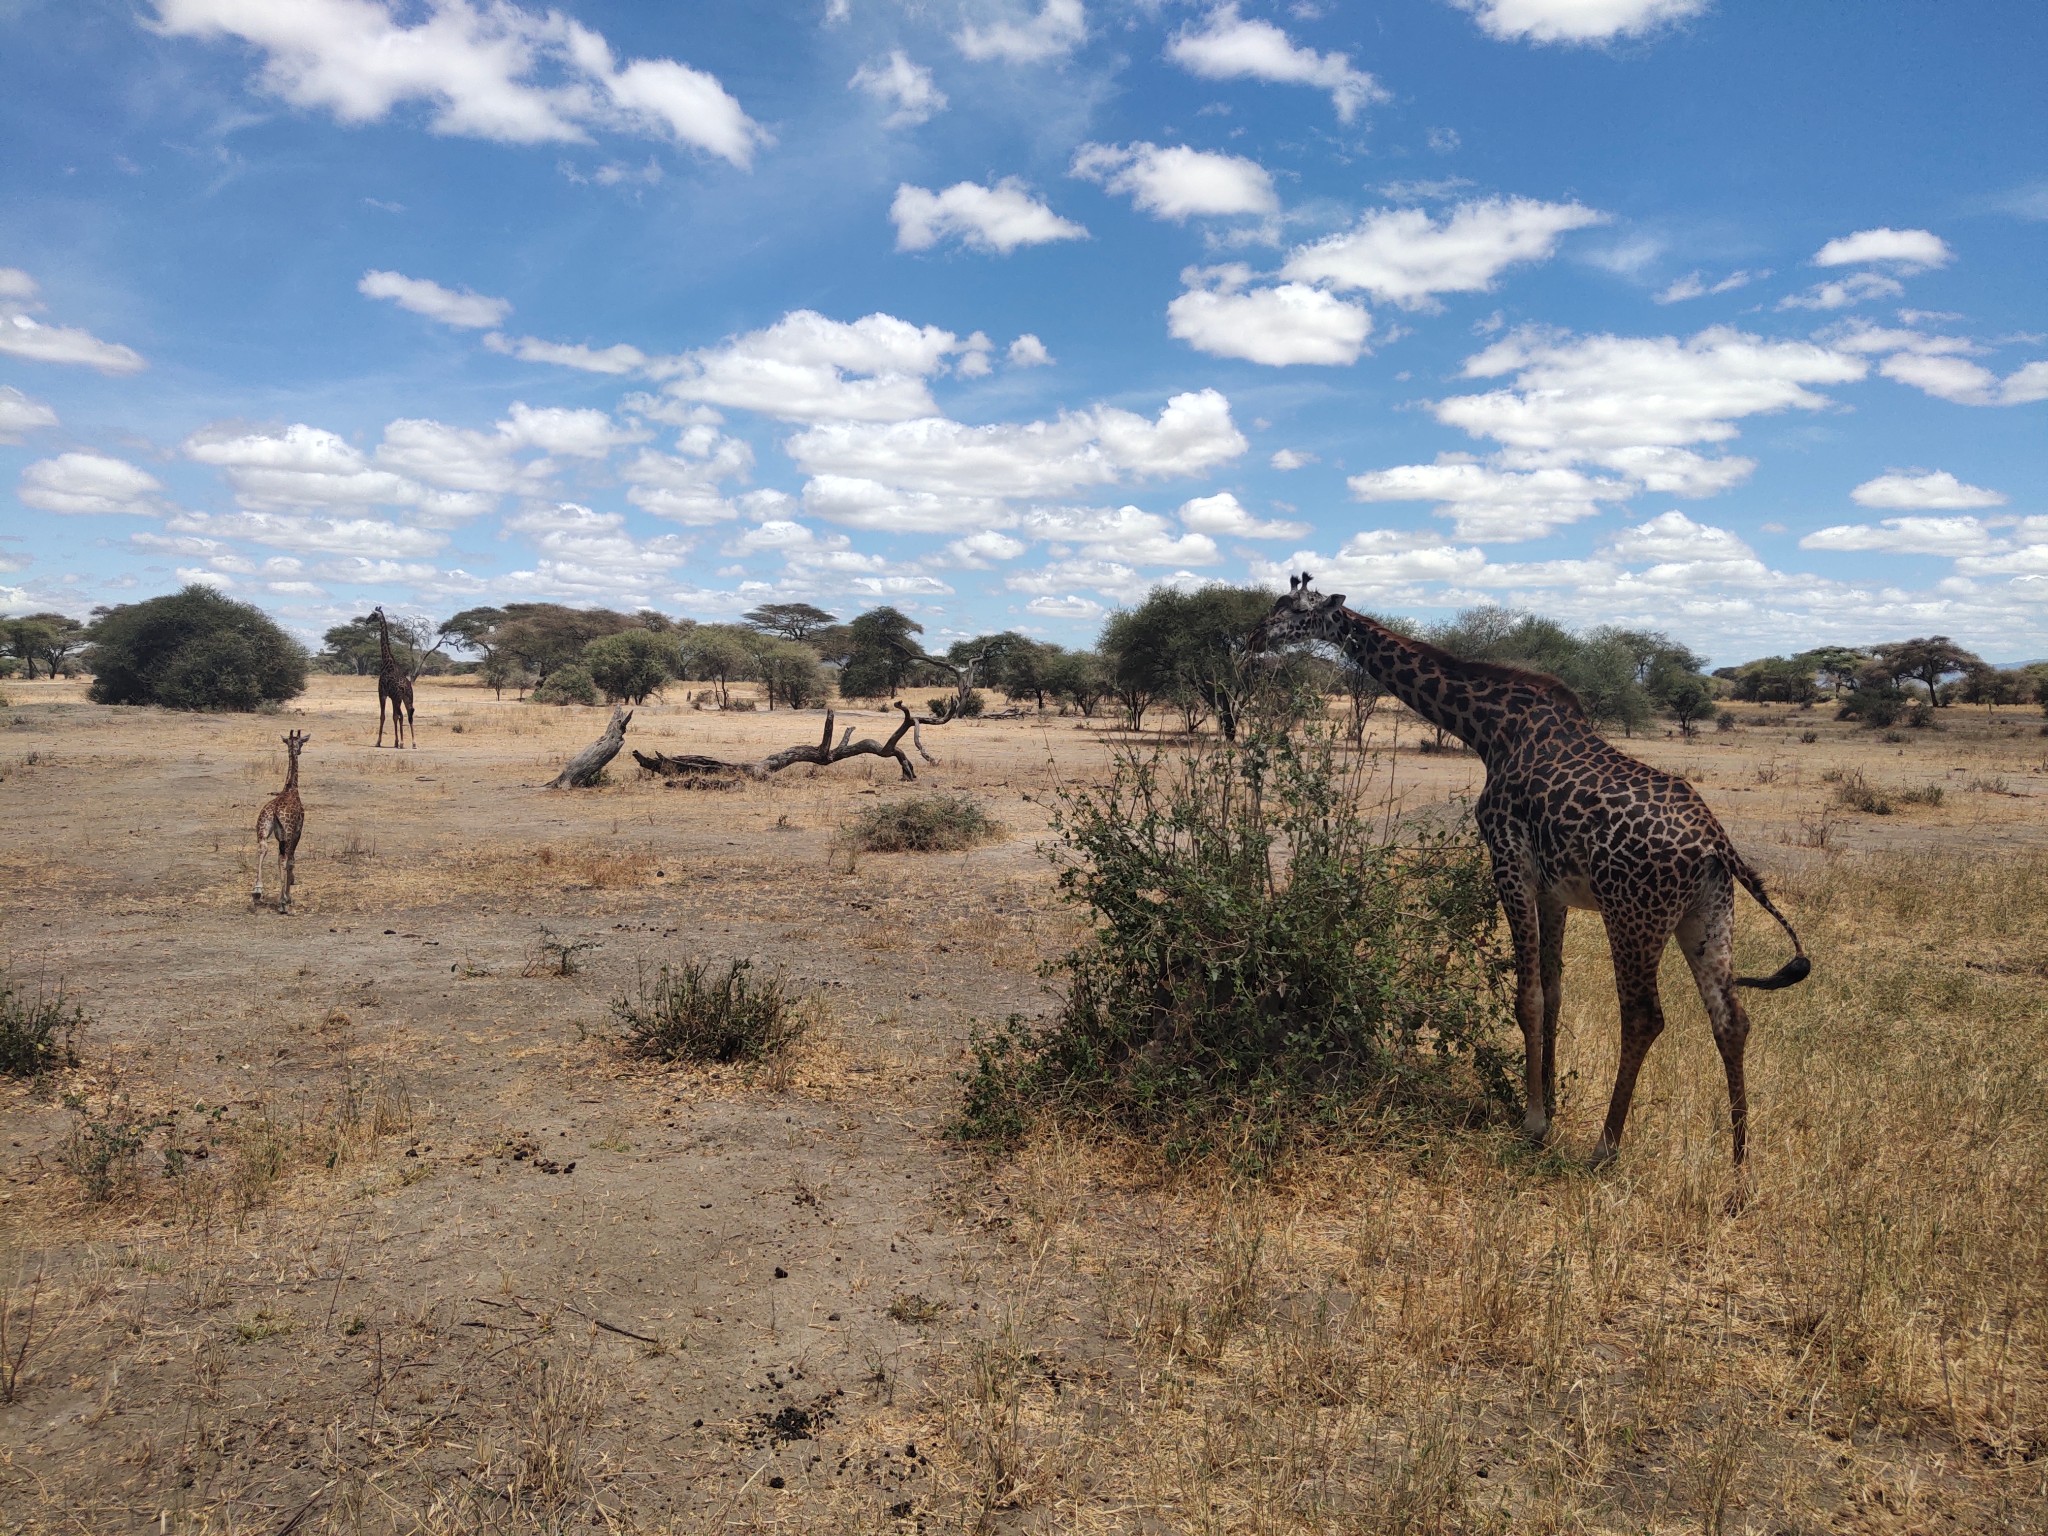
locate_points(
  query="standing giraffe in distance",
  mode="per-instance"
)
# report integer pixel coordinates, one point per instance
(1570, 821)
(283, 818)
(393, 687)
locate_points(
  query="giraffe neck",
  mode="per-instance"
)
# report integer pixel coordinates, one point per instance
(291, 775)
(390, 662)
(1436, 686)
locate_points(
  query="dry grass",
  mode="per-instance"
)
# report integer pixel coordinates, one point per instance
(1456, 1335)
(1439, 1331)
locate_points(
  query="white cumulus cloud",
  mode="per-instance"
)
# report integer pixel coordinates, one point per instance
(1404, 256)
(1278, 326)
(1963, 382)
(1027, 351)
(87, 483)
(22, 335)
(20, 413)
(1910, 250)
(1937, 492)
(1575, 21)
(1057, 29)
(1949, 536)
(423, 296)
(1844, 292)
(1227, 46)
(1224, 516)
(1490, 503)
(996, 219)
(1178, 182)
(807, 367)
(488, 71)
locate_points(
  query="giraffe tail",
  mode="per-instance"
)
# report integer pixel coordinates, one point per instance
(1793, 971)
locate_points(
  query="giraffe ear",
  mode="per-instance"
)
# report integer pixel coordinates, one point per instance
(1334, 600)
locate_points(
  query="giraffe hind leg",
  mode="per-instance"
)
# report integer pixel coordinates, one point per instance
(1707, 936)
(1642, 1021)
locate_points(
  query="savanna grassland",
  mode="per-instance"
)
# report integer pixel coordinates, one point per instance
(365, 1219)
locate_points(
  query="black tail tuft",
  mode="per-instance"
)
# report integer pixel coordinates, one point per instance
(1792, 972)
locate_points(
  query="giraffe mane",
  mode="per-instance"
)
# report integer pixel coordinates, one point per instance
(1556, 687)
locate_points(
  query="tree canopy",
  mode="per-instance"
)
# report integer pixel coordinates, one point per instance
(792, 621)
(194, 649)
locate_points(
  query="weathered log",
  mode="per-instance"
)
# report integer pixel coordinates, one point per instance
(583, 769)
(823, 755)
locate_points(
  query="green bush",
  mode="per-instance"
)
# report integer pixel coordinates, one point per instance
(566, 685)
(1266, 967)
(1875, 705)
(932, 823)
(631, 664)
(194, 649)
(688, 1014)
(36, 1033)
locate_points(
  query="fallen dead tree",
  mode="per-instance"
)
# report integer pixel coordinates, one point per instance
(688, 766)
(583, 769)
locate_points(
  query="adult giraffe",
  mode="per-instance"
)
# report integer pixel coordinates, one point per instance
(1570, 821)
(394, 686)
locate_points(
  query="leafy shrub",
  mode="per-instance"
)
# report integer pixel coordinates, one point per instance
(36, 1034)
(689, 1014)
(1926, 794)
(924, 824)
(194, 649)
(1877, 707)
(954, 706)
(631, 664)
(1266, 966)
(567, 685)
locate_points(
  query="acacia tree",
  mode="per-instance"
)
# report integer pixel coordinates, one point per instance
(1189, 650)
(1928, 661)
(51, 638)
(194, 649)
(792, 621)
(1079, 677)
(632, 664)
(879, 655)
(720, 655)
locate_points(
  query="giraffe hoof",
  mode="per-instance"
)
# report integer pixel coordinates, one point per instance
(1536, 1129)
(1602, 1156)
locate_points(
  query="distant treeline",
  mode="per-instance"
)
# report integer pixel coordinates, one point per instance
(1181, 654)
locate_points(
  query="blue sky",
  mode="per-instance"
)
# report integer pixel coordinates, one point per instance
(1724, 318)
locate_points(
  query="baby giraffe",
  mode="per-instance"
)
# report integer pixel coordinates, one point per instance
(283, 818)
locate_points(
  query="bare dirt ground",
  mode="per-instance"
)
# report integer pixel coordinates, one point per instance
(358, 1219)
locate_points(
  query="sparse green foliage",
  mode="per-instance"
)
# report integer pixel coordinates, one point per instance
(37, 1034)
(1265, 967)
(193, 649)
(792, 621)
(689, 1013)
(875, 665)
(930, 823)
(628, 666)
(567, 685)
(720, 654)
(790, 674)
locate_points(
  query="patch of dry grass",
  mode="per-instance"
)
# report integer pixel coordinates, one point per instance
(1456, 1334)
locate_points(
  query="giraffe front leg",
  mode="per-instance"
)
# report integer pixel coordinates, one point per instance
(1553, 912)
(1515, 881)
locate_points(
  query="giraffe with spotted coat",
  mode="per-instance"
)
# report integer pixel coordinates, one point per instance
(1572, 822)
(283, 818)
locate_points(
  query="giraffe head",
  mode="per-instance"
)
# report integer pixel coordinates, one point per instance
(1303, 614)
(295, 742)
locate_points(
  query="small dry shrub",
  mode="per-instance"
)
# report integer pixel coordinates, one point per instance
(935, 823)
(36, 1033)
(690, 1013)
(1859, 794)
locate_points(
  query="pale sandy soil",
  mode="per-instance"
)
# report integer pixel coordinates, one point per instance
(395, 1322)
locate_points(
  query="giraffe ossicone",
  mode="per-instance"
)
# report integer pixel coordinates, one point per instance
(1570, 820)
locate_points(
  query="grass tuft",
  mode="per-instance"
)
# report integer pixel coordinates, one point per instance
(936, 823)
(690, 1013)
(36, 1033)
